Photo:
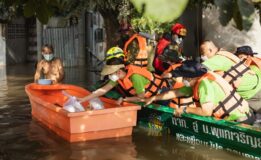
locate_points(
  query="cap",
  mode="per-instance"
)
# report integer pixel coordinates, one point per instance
(179, 29)
(189, 69)
(109, 69)
(247, 50)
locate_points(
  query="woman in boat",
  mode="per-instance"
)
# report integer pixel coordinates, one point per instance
(244, 78)
(50, 67)
(215, 96)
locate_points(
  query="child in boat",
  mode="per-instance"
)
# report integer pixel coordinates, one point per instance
(216, 96)
(49, 67)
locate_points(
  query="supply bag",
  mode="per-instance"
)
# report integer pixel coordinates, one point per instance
(96, 104)
(72, 105)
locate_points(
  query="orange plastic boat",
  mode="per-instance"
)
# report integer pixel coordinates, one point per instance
(113, 121)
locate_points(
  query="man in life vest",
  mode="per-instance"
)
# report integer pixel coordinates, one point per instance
(178, 32)
(215, 96)
(172, 57)
(246, 54)
(246, 79)
(137, 81)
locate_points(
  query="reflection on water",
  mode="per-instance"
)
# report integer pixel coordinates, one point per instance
(22, 137)
(114, 149)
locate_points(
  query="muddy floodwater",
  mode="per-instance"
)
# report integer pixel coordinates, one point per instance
(24, 138)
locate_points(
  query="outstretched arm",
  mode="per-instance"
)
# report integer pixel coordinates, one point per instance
(164, 96)
(206, 109)
(99, 92)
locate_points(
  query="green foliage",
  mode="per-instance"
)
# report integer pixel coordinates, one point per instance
(241, 11)
(39, 8)
(160, 10)
(225, 11)
(247, 11)
(155, 16)
(145, 24)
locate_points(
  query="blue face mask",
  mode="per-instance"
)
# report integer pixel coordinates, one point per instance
(48, 57)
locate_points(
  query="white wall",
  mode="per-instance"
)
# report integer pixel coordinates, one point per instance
(2, 46)
(229, 37)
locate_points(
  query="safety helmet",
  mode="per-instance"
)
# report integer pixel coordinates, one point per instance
(114, 52)
(179, 29)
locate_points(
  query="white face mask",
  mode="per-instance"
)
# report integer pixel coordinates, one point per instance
(114, 77)
(204, 58)
(186, 83)
(48, 57)
(178, 40)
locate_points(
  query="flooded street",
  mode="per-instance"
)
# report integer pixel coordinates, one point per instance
(24, 138)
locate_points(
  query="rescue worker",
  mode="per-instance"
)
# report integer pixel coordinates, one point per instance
(137, 81)
(246, 54)
(114, 53)
(50, 67)
(215, 96)
(178, 32)
(246, 79)
(171, 57)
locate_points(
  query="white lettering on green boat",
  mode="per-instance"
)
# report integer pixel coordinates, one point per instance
(220, 133)
(194, 141)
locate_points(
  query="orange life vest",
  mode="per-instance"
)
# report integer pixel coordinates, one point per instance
(231, 101)
(151, 89)
(234, 74)
(185, 101)
(171, 68)
(253, 61)
(141, 59)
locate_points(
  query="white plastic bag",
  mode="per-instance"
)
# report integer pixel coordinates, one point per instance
(72, 105)
(96, 104)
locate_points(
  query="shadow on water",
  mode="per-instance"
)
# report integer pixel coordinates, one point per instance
(23, 138)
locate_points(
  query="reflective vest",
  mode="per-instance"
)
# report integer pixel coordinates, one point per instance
(234, 74)
(231, 101)
(253, 61)
(141, 58)
(184, 101)
(151, 89)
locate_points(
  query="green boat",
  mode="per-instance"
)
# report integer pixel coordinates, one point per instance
(220, 134)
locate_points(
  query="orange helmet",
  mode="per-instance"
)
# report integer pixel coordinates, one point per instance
(179, 29)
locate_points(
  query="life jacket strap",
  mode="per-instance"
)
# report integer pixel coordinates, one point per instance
(225, 101)
(234, 68)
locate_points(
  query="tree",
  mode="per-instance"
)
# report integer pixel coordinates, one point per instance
(241, 11)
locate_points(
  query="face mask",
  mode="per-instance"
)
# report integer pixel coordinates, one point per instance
(204, 58)
(186, 83)
(178, 40)
(48, 57)
(114, 77)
